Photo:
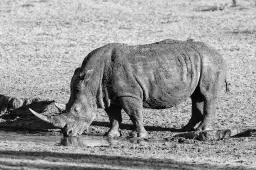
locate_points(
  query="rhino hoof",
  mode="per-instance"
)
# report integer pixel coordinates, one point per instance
(143, 134)
(134, 134)
(113, 134)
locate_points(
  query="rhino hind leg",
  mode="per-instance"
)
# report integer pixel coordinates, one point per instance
(209, 88)
(197, 112)
(209, 115)
(133, 107)
(115, 118)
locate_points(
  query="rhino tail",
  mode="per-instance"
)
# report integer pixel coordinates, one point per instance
(227, 85)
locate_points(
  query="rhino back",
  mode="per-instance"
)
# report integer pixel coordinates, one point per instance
(161, 74)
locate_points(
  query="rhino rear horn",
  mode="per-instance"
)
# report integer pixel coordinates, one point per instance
(61, 107)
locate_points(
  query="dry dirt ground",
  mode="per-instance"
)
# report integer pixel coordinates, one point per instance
(43, 41)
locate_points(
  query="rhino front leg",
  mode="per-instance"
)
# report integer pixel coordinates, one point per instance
(115, 118)
(133, 107)
(197, 115)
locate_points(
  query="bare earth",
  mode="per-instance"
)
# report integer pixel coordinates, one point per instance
(43, 41)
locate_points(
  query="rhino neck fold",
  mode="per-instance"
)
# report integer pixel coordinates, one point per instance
(96, 88)
(99, 97)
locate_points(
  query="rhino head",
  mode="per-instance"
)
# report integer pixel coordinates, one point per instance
(79, 112)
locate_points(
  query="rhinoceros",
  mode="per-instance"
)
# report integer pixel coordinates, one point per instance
(160, 75)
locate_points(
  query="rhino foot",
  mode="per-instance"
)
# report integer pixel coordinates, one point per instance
(134, 134)
(203, 126)
(112, 134)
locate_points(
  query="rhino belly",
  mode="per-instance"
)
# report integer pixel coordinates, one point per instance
(162, 96)
(168, 85)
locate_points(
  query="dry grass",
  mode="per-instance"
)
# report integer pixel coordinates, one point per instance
(43, 41)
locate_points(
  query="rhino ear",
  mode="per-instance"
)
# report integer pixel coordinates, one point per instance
(87, 75)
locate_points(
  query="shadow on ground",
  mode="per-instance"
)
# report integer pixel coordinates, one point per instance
(219, 7)
(16, 116)
(55, 160)
(130, 127)
(244, 32)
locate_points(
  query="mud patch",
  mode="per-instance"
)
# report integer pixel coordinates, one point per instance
(43, 151)
(46, 138)
(57, 139)
(85, 141)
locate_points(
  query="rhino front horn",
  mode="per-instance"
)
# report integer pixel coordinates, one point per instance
(57, 121)
(60, 106)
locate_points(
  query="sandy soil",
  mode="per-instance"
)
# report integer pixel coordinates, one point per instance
(43, 41)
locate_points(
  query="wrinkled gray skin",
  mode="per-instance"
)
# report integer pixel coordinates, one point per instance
(156, 76)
